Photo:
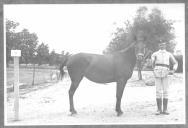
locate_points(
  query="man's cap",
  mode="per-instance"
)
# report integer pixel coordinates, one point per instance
(161, 42)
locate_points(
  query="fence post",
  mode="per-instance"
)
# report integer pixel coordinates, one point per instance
(33, 82)
(16, 54)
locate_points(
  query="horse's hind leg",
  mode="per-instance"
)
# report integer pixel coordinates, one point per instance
(119, 92)
(73, 87)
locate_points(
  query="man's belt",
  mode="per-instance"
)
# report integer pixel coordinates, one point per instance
(163, 65)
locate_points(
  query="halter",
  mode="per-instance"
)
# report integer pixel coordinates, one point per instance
(127, 48)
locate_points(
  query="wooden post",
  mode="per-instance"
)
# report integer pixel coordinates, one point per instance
(33, 83)
(16, 54)
(16, 87)
(35, 55)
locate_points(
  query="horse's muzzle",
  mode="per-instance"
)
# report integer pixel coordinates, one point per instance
(140, 56)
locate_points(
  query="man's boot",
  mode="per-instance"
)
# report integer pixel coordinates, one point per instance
(159, 104)
(165, 104)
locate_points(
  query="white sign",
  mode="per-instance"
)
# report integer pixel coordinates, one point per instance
(16, 53)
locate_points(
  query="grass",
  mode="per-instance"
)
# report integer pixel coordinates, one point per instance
(42, 75)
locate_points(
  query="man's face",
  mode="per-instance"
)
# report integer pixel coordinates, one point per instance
(162, 46)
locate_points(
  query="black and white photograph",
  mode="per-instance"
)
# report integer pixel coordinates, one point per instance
(94, 64)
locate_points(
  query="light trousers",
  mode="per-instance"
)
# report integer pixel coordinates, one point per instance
(162, 87)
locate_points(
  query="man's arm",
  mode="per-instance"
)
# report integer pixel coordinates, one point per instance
(174, 62)
(153, 59)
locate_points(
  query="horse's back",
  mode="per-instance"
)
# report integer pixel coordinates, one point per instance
(97, 68)
(87, 58)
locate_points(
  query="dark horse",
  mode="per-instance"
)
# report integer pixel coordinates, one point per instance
(117, 67)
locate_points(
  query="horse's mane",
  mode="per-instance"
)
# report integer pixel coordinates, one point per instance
(128, 47)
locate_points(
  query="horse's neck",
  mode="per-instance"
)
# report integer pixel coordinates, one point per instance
(130, 56)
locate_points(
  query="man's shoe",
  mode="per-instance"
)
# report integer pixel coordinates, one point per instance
(158, 112)
(165, 104)
(165, 112)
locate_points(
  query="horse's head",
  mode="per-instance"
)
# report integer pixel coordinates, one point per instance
(140, 45)
(140, 50)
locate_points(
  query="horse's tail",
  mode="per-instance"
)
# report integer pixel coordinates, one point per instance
(61, 68)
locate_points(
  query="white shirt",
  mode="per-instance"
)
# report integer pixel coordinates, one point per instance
(164, 57)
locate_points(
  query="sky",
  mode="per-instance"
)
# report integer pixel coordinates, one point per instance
(87, 28)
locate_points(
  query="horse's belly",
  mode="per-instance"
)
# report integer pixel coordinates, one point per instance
(100, 80)
(100, 76)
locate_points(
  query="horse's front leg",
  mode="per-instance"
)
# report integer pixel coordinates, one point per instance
(72, 90)
(119, 92)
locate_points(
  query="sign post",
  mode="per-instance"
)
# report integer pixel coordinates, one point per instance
(16, 54)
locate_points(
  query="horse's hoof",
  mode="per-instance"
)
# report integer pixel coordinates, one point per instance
(119, 113)
(73, 113)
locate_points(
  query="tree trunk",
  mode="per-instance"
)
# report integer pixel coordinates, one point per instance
(139, 74)
(139, 67)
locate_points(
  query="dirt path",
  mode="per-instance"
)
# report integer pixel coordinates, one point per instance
(95, 104)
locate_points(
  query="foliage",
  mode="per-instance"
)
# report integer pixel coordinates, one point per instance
(31, 51)
(53, 57)
(24, 41)
(56, 58)
(120, 39)
(179, 59)
(27, 43)
(10, 34)
(154, 26)
(42, 54)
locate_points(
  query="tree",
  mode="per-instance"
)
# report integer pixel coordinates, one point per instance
(120, 40)
(10, 35)
(24, 41)
(57, 59)
(27, 43)
(155, 28)
(42, 54)
(160, 29)
(53, 58)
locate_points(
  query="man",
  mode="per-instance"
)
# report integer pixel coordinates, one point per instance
(161, 60)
